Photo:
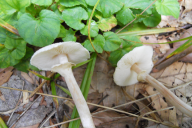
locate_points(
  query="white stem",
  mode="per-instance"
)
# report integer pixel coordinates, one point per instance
(62, 58)
(171, 97)
(76, 94)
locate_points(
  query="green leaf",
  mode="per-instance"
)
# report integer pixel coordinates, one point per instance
(168, 7)
(42, 2)
(91, 2)
(112, 41)
(11, 52)
(137, 4)
(71, 3)
(2, 35)
(109, 7)
(127, 46)
(54, 8)
(93, 29)
(153, 20)
(62, 32)
(125, 15)
(98, 43)
(74, 16)
(106, 24)
(12, 6)
(70, 35)
(17, 47)
(41, 31)
(24, 65)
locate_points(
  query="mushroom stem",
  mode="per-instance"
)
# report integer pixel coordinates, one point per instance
(171, 97)
(81, 105)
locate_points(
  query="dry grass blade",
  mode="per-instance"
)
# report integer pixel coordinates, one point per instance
(37, 89)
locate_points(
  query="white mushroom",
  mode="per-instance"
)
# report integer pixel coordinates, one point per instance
(135, 66)
(60, 57)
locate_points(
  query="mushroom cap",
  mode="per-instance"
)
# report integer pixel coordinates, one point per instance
(142, 56)
(47, 57)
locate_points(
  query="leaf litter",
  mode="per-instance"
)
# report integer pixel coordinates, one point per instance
(102, 84)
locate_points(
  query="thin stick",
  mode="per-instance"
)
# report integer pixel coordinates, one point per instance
(50, 115)
(37, 89)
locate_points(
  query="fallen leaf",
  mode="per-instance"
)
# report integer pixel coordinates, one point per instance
(187, 4)
(5, 74)
(150, 39)
(27, 77)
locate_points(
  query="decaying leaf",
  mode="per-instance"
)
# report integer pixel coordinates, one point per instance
(176, 74)
(5, 74)
(187, 4)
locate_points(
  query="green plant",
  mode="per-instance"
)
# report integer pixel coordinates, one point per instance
(30, 24)
(40, 23)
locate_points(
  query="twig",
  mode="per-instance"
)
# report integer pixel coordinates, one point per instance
(50, 115)
(37, 89)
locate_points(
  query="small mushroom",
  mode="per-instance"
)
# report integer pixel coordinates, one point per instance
(135, 66)
(60, 57)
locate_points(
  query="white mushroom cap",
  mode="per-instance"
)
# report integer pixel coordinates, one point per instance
(47, 57)
(142, 56)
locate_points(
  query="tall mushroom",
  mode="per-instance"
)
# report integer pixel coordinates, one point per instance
(60, 57)
(135, 66)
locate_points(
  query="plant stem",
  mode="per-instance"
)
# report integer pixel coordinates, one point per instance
(171, 97)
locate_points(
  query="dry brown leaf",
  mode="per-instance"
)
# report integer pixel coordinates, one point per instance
(113, 120)
(176, 74)
(187, 4)
(163, 47)
(115, 96)
(150, 39)
(158, 103)
(33, 126)
(27, 77)
(5, 74)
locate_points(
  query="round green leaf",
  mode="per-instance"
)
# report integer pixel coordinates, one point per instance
(168, 7)
(153, 20)
(41, 31)
(11, 52)
(109, 7)
(91, 2)
(42, 2)
(112, 41)
(12, 6)
(24, 63)
(71, 3)
(17, 47)
(73, 17)
(115, 56)
(106, 24)
(137, 4)
(70, 35)
(98, 44)
(125, 15)
(93, 29)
